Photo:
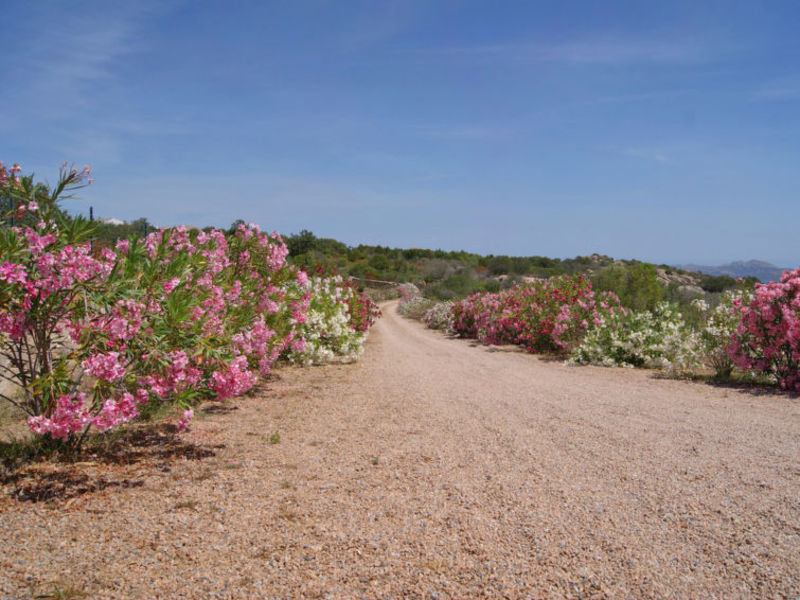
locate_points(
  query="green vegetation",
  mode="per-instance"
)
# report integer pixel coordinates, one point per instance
(446, 275)
(109, 233)
(635, 283)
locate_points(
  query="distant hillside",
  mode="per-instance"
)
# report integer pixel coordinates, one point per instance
(764, 271)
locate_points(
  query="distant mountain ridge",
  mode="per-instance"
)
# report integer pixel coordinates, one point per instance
(764, 271)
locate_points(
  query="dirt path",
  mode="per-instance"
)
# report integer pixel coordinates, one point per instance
(439, 469)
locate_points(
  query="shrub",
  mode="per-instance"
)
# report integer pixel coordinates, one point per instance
(767, 338)
(717, 333)
(439, 316)
(544, 316)
(336, 325)
(455, 286)
(636, 284)
(416, 307)
(412, 305)
(408, 291)
(93, 338)
(657, 339)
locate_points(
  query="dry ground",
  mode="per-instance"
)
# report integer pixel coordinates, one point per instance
(433, 468)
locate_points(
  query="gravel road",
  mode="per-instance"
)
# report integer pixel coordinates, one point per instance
(435, 468)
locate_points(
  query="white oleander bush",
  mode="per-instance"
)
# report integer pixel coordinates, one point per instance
(659, 339)
(330, 331)
(440, 316)
(716, 337)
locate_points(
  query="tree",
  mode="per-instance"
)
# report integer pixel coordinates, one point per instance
(636, 284)
(301, 243)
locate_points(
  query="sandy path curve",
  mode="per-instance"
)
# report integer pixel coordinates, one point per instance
(435, 468)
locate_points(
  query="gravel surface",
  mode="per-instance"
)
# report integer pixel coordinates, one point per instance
(434, 468)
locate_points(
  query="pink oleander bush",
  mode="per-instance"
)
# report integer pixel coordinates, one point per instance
(544, 316)
(767, 338)
(93, 337)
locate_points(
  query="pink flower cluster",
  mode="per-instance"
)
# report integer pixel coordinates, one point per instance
(12, 273)
(544, 316)
(234, 381)
(179, 375)
(768, 336)
(183, 422)
(104, 366)
(116, 411)
(68, 416)
(73, 415)
(7, 176)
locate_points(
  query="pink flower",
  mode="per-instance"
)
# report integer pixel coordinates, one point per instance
(12, 273)
(104, 366)
(183, 422)
(171, 284)
(69, 416)
(115, 412)
(236, 380)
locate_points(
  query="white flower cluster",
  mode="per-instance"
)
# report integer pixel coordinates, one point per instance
(721, 323)
(658, 339)
(327, 331)
(440, 316)
(412, 303)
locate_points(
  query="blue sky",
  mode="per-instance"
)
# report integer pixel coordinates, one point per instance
(664, 131)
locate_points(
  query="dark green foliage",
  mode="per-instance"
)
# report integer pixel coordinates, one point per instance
(27, 192)
(711, 283)
(456, 286)
(720, 283)
(301, 243)
(108, 233)
(379, 262)
(635, 283)
(492, 285)
(499, 265)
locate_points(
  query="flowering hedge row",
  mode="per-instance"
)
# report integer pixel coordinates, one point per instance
(545, 316)
(757, 332)
(91, 337)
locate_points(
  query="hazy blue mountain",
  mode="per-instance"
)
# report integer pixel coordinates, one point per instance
(751, 268)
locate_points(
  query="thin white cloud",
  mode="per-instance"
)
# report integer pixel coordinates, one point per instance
(196, 200)
(70, 56)
(615, 51)
(465, 133)
(644, 96)
(778, 89)
(650, 154)
(611, 50)
(778, 93)
(386, 21)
